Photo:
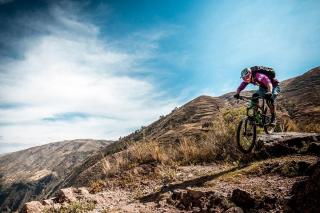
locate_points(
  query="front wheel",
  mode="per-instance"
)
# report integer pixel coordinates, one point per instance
(246, 135)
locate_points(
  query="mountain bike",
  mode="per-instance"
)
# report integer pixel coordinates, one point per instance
(257, 116)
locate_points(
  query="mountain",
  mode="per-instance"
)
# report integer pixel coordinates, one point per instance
(300, 97)
(195, 118)
(134, 159)
(34, 172)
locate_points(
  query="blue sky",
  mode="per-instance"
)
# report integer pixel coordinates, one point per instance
(101, 69)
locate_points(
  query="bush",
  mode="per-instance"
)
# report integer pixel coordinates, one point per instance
(96, 186)
(148, 151)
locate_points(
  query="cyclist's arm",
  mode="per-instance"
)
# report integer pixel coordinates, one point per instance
(270, 87)
(242, 87)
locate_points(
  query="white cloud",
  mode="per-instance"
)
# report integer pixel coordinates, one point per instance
(68, 70)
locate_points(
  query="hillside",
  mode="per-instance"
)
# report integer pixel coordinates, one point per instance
(34, 172)
(194, 119)
(300, 97)
(126, 174)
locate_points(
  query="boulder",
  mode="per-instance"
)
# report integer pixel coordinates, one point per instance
(195, 194)
(66, 195)
(32, 207)
(314, 148)
(242, 199)
(306, 193)
(48, 202)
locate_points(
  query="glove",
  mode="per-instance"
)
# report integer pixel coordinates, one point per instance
(237, 96)
(268, 96)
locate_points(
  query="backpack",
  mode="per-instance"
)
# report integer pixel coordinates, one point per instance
(264, 70)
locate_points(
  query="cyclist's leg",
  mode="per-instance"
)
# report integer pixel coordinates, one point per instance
(275, 92)
(254, 101)
(255, 98)
(272, 105)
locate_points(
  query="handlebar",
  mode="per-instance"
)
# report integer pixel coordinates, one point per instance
(245, 98)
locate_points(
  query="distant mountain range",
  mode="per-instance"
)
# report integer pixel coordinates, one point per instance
(35, 172)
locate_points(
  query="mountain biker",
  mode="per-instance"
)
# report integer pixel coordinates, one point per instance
(269, 88)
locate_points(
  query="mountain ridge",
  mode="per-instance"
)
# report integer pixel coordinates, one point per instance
(41, 168)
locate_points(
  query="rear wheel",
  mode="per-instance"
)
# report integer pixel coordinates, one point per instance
(246, 135)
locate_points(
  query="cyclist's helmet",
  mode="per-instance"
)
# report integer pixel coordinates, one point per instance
(245, 72)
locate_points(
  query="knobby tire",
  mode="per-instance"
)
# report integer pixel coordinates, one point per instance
(245, 122)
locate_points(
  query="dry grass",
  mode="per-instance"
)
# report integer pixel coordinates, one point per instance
(148, 151)
(217, 145)
(222, 136)
(74, 207)
(96, 186)
(310, 127)
(286, 124)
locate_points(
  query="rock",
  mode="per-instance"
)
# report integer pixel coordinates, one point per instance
(48, 202)
(200, 201)
(32, 207)
(196, 209)
(177, 194)
(66, 195)
(225, 203)
(234, 210)
(314, 148)
(5, 209)
(83, 191)
(195, 194)
(306, 193)
(302, 167)
(165, 198)
(242, 199)
(285, 143)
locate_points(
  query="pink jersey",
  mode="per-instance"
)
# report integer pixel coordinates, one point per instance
(259, 79)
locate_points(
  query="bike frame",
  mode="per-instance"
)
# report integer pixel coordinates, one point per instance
(258, 114)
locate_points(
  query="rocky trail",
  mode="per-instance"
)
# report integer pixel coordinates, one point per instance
(283, 170)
